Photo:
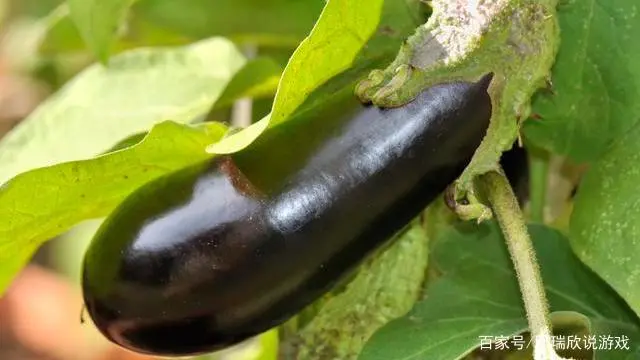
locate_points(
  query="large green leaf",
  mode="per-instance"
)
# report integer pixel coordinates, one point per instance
(605, 224)
(101, 106)
(596, 80)
(477, 295)
(98, 22)
(42, 203)
(342, 30)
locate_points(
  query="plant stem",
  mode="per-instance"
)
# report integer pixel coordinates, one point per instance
(241, 113)
(504, 204)
(539, 165)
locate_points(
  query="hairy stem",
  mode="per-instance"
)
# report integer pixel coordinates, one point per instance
(495, 187)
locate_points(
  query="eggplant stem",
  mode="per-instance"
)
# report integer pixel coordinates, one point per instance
(511, 220)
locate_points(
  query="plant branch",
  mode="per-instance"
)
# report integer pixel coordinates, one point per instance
(242, 110)
(496, 188)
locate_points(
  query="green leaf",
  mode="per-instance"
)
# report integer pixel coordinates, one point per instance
(98, 22)
(343, 28)
(477, 295)
(596, 80)
(605, 224)
(269, 342)
(40, 204)
(169, 22)
(59, 33)
(260, 22)
(101, 106)
(257, 79)
(384, 288)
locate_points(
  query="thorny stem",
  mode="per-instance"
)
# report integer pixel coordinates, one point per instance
(505, 206)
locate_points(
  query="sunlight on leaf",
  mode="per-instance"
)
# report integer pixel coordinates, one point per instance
(40, 204)
(343, 28)
(102, 106)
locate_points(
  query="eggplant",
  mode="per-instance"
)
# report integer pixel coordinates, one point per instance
(515, 163)
(206, 257)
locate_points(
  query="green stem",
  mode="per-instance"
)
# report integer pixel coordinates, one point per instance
(539, 174)
(505, 207)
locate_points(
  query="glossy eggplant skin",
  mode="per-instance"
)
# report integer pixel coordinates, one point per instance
(206, 257)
